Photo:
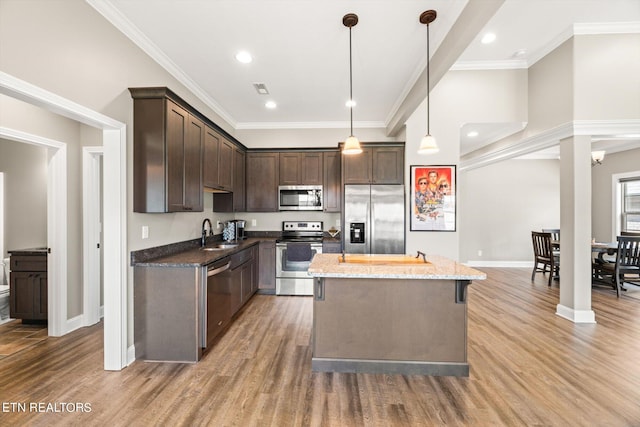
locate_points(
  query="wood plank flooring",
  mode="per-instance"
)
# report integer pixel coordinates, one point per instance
(529, 367)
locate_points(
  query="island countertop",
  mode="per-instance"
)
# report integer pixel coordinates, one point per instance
(437, 267)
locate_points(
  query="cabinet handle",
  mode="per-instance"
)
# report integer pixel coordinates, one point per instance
(187, 208)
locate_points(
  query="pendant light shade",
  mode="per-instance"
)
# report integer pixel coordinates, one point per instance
(428, 143)
(351, 144)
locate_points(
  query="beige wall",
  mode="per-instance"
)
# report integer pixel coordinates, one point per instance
(602, 184)
(606, 79)
(25, 185)
(509, 200)
(460, 97)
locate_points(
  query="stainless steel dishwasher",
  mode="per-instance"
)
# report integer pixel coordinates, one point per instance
(217, 300)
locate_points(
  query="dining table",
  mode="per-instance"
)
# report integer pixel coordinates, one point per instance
(600, 249)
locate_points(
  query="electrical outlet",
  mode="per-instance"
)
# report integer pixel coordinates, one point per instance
(145, 232)
(480, 253)
(337, 222)
(254, 222)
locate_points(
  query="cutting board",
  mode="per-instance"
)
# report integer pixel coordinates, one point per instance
(382, 260)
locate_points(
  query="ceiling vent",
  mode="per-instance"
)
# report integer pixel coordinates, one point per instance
(261, 88)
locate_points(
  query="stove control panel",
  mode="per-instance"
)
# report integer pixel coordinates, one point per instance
(301, 225)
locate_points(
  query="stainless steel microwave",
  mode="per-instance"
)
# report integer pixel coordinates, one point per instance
(300, 197)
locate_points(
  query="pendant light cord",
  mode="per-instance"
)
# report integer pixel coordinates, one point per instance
(350, 83)
(428, 84)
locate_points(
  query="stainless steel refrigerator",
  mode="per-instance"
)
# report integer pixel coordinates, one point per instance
(374, 219)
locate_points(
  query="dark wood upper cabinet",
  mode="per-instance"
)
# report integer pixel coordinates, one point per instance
(262, 181)
(375, 165)
(218, 161)
(300, 168)
(239, 167)
(167, 154)
(210, 159)
(356, 168)
(387, 165)
(331, 188)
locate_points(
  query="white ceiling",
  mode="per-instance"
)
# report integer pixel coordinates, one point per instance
(301, 50)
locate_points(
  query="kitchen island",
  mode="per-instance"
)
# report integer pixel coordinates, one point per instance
(390, 314)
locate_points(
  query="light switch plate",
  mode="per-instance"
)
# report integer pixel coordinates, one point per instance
(145, 232)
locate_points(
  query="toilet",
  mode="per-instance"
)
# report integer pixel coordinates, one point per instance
(4, 291)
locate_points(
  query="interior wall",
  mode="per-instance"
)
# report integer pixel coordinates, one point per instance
(309, 138)
(460, 97)
(606, 77)
(509, 199)
(603, 221)
(25, 169)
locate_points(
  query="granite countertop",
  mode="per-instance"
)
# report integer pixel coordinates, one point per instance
(196, 257)
(438, 267)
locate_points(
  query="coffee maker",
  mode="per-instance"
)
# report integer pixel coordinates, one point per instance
(239, 228)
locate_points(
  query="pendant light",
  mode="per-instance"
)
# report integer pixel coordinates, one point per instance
(428, 143)
(351, 144)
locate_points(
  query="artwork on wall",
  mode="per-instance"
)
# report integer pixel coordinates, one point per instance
(433, 198)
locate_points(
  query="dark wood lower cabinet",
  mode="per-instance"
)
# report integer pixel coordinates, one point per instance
(267, 267)
(28, 295)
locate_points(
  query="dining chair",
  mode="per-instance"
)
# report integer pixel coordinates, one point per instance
(627, 263)
(543, 254)
(555, 233)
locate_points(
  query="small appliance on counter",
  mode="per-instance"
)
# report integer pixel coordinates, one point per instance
(234, 230)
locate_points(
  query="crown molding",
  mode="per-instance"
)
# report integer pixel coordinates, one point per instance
(308, 125)
(509, 64)
(551, 138)
(573, 30)
(126, 27)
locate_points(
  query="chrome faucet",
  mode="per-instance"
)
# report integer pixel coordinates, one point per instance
(203, 242)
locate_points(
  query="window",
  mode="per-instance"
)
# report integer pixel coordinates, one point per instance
(630, 220)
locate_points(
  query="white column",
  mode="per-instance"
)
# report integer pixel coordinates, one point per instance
(575, 226)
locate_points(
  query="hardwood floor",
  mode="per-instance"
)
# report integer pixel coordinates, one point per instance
(528, 367)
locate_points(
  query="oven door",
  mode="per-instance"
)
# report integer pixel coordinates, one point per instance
(287, 266)
(291, 275)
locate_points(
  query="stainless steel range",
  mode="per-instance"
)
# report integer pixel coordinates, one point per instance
(300, 241)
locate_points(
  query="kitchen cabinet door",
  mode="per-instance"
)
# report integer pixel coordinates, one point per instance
(262, 181)
(289, 168)
(356, 168)
(267, 266)
(225, 165)
(28, 293)
(167, 155)
(311, 171)
(239, 201)
(388, 165)
(210, 157)
(331, 188)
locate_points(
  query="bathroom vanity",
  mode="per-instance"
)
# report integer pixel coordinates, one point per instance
(28, 294)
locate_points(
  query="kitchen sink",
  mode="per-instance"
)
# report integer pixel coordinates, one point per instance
(220, 247)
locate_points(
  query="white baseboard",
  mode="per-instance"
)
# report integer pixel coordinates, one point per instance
(501, 264)
(576, 316)
(131, 354)
(73, 324)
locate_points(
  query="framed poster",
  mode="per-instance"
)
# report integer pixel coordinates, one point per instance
(433, 198)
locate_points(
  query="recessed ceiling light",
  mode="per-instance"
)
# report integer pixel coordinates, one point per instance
(244, 57)
(473, 134)
(350, 103)
(488, 38)
(270, 105)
